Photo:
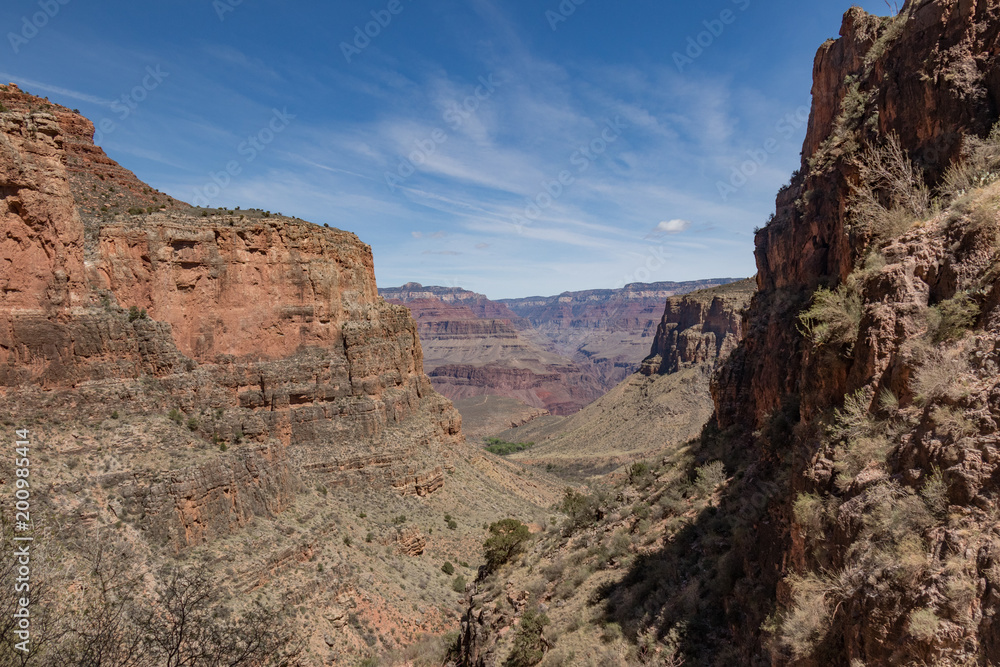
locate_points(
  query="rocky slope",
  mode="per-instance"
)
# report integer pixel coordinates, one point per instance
(840, 509)
(607, 331)
(226, 388)
(476, 347)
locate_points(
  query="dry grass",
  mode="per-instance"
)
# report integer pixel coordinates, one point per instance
(890, 195)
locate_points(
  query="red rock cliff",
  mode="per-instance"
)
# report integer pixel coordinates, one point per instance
(272, 326)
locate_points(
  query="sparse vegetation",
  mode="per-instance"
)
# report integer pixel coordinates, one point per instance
(134, 313)
(890, 195)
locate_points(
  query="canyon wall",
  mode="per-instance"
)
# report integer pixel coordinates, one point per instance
(272, 324)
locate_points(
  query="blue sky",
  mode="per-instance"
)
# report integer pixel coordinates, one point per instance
(513, 148)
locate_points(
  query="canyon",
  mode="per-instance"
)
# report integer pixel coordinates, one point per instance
(556, 354)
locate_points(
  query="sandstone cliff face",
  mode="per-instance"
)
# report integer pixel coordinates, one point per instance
(928, 77)
(702, 327)
(275, 325)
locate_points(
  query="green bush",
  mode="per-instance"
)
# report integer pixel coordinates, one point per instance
(458, 584)
(448, 568)
(581, 509)
(935, 494)
(528, 647)
(639, 473)
(949, 320)
(508, 538)
(135, 314)
(834, 318)
(808, 510)
(176, 416)
(978, 166)
(808, 621)
(192, 424)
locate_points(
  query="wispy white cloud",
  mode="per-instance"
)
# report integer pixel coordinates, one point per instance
(33, 86)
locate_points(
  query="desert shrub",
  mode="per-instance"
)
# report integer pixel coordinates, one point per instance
(508, 539)
(369, 537)
(935, 494)
(448, 568)
(528, 649)
(808, 620)
(809, 511)
(176, 416)
(458, 584)
(950, 319)
(834, 317)
(639, 474)
(924, 624)
(554, 570)
(581, 509)
(893, 28)
(135, 314)
(941, 375)
(890, 195)
(977, 167)
(192, 424)
(709, 477)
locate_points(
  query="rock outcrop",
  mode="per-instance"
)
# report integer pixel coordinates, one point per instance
(704, 326)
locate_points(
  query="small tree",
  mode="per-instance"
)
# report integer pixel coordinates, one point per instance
(529, 647)
(507, 539)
